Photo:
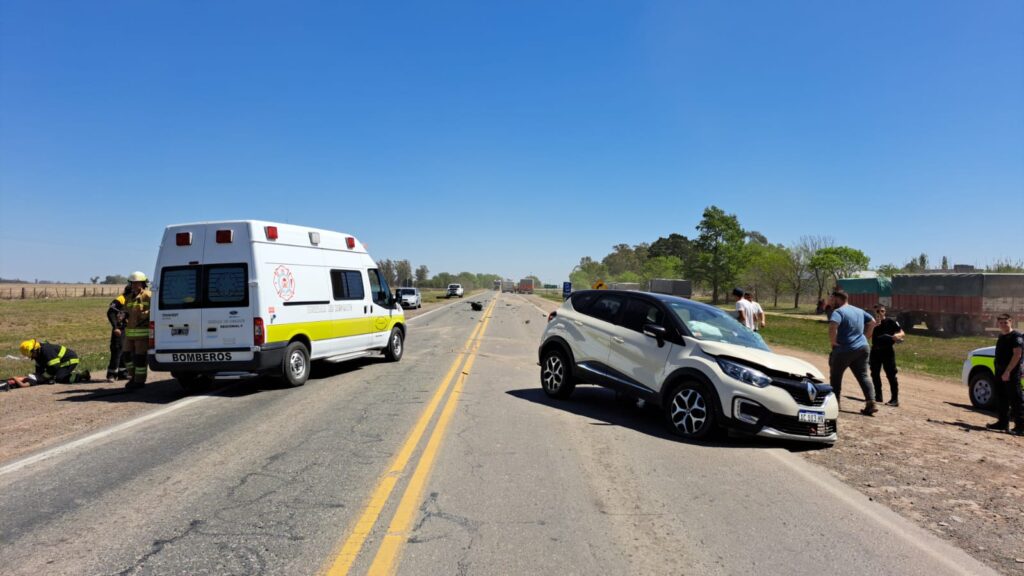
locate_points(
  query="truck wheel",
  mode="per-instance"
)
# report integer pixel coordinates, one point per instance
(192, 382)
(981, 387)
(396, 345)
(963, 325)
(295, 364)
(906, 321)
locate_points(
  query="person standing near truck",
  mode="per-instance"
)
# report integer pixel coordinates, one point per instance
(1009, 348)
(886, 335)
(849, 329)
(117, 368)
(136, 307)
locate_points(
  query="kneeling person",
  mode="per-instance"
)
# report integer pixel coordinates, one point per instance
(54, 363)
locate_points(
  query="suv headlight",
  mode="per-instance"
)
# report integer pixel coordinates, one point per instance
(744, 374)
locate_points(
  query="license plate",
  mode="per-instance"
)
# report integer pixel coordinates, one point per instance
(811, 417)
(179, 331)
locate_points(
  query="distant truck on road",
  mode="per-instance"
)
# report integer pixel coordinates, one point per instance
(954, 304)
(674, 287)
(508, 286)
(526, 286)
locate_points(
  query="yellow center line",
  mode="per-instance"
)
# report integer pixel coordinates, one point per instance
(386, 560)
(378, 499)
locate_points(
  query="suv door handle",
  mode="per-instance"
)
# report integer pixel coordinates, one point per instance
(619, 340)
(577, 322)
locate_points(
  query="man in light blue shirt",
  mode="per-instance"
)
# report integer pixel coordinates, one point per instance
(849, 330)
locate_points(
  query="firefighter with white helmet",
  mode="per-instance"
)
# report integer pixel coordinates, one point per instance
(136, 307)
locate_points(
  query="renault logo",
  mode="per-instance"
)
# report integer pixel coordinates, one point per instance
(812, 390)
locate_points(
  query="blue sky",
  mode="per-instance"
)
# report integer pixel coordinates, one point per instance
(509, 137)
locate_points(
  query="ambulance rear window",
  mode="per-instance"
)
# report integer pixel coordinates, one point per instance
(213, 286)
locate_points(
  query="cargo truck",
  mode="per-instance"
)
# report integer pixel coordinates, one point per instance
(526, 286)
(954, 304)
(508, 286)
(675, 287)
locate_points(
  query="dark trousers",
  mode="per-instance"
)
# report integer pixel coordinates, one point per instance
(118, 355)
(1008, 401)
(884, 358)
(857, 362)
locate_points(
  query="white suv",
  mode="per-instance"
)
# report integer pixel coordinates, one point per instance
(702, 367)
(454, 290)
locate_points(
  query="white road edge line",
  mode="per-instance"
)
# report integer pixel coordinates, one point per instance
(19, 464)
(61, 449)
(945, 553)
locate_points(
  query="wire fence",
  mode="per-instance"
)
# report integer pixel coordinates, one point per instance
(39, 291)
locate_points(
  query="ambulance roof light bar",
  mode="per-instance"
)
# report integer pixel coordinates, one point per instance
(225, 236)
(350, 242)
(183, 239)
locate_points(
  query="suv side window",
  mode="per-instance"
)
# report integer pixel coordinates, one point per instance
(581, 300)
(640, 312)
(605, 307)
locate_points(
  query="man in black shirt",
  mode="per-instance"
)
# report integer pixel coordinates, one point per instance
(886, 335)
(1009, 347)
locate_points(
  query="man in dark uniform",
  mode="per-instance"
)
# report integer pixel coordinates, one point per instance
(118, 318)
(1009, 348)
(883, 355)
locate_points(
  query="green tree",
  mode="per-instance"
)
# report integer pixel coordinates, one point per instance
(887, 270)
(387, 269)
(587, 272)
(403, 270)
(945, 263)
(766, 269)
(422, 274)
(625, 258)
(797, 260)
(662, 267)
(839, 261)
(94, 279)
(719, 249)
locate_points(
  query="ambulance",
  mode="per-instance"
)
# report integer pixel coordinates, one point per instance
(245, 297)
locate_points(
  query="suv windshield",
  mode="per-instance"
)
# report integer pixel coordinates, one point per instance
(709, 323)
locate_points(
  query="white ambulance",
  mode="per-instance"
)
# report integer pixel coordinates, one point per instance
(244, 297)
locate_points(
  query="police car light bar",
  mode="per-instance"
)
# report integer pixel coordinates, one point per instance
(183, 239)
(350, 242)
(271, 232)
(225, 236)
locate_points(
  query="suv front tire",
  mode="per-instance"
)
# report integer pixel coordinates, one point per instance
(690, 411)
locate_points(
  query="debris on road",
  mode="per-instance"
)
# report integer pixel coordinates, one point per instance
(476, 306)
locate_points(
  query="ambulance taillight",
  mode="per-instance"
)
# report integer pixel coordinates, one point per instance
(259, 337)
(152, 335)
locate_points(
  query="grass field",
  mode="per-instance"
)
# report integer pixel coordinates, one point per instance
(78, 323)
(920, 352)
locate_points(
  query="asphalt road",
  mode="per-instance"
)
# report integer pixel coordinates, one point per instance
(498, 479)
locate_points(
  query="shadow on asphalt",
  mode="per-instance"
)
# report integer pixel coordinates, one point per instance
(167, 391)
(971, 407)
(964, 426)
(604, 406)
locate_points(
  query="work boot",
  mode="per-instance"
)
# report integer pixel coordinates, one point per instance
(893, 402)
(133, 385)
(122, 375)
(1004, 426)
(869, 409)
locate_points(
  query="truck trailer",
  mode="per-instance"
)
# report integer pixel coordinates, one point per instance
(954, 304)
(526, 286)
(674, 287)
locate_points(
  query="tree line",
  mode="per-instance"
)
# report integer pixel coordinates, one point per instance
(401, 273)
(724, 255)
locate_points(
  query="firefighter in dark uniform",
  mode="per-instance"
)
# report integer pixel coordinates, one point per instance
(137, 331)
(887, 334)
(1009, 349)
(54, 363)
(117, 369)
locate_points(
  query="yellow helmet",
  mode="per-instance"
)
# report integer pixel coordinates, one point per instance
(27, 347)
(138, 277)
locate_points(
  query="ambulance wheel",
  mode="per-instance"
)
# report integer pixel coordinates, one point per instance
(295, 365)
(396, 345)
(192, 382)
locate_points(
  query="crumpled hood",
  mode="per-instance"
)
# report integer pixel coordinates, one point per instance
(795, 366)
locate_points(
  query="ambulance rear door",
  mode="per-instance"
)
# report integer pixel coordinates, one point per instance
(176, 315)
(227, 313)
